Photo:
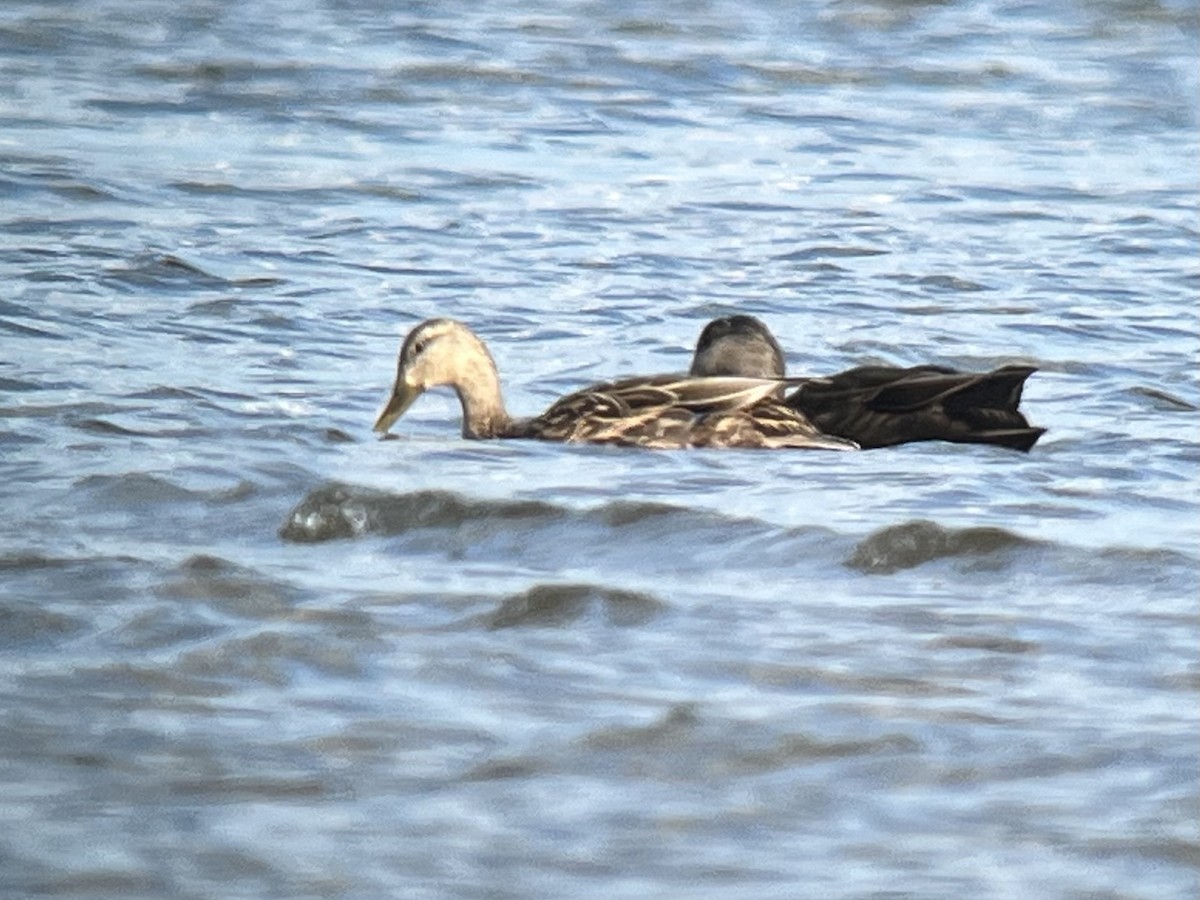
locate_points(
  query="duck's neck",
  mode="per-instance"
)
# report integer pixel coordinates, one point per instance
(484, 415)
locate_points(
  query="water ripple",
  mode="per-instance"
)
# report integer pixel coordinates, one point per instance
(246, 649)
(558, 605)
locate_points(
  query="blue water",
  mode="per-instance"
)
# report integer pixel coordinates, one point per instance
(247, 650)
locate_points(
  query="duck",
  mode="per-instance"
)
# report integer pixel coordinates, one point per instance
(656, 411)
(879, 406)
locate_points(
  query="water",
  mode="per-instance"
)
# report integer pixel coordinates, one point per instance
(250, 651)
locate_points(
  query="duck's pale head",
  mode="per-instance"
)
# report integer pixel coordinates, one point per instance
(740, 346)
(440, 352)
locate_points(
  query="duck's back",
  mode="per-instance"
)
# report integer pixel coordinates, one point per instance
(673, 411)
(879, 406)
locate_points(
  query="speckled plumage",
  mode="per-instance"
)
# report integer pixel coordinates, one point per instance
(658, 411)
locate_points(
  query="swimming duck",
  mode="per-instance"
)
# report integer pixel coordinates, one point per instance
(660, 411)
(878, 406)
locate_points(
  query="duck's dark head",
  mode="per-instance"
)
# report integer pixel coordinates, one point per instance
(738, 345)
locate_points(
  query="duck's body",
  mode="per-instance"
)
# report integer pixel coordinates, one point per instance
(661, 411)
(879, 406)
(882, 406)
(670, 411)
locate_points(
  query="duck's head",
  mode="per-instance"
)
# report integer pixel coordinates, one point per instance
(437, 352)
(740, 346)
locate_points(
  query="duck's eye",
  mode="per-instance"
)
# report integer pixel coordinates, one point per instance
(418, 347)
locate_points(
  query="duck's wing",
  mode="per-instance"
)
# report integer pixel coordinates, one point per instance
(878, 406)
(600, 415)
(699, 394)
(652, 411)
(958, 391)
(769, 424)
(868, 378)
(998, 390)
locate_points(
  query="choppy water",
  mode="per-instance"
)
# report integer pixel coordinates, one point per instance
(248, 651)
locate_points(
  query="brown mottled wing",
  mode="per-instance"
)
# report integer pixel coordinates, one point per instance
(769, 424)
(599, 415)
(663, 411)
(661, 428)
(699, 394)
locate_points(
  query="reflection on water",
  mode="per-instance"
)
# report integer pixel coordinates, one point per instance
(246, 648)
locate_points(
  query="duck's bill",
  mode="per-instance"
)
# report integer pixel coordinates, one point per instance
(401, 399)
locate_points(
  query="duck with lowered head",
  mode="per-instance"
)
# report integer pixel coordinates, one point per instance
(658, 411)
(879, 406)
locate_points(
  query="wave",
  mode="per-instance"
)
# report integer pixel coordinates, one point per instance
(336, 511)
(661, 536)
(687, 742)
(564, 604)
(168, 271)
(915, 543)
(134, 491)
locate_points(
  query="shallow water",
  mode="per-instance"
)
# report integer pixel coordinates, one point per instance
(247, 650)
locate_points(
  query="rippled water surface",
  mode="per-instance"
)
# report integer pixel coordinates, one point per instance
(246, 650)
